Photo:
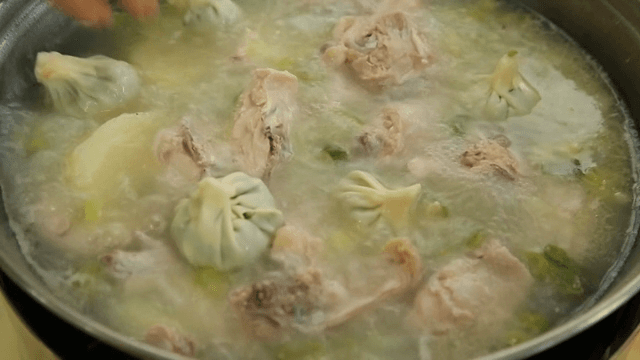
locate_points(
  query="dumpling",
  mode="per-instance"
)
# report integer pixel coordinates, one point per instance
(207, 13)
(510, 94)
(367, 201)
(226, 223)
(382, 49)
(86, 86)
(260, 134)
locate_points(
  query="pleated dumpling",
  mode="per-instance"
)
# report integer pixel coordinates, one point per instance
(86, 86)
(510, 94)
(227, 222)
(367, 201)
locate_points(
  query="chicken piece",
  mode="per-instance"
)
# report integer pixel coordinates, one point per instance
(386, 138)
(269, 308)
(382, 49)
(292, 240)
(153, 258)
(483, 289)
(260, 134)
(177, 148)
(170, 339)
(491, 156)
(308, 302)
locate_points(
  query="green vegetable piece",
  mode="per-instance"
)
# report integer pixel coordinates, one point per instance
(303, 350)
(558, 256)
(336, 153)
(476, 240)
(606, 183)
(528, 325)
(516, 337)
(556, 267)
(92, 210)
(538, 266)
(215, 283)
(344, 348)
(533, 323)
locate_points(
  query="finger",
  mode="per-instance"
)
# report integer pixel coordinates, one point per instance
(141, 8)
(94, 13)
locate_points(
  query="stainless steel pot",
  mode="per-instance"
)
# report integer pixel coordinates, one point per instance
(608, 29)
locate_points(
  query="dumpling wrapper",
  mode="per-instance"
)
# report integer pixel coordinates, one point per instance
(510, 93)
(367, 201)
(211, 13)
(226, 223)
(86, 86)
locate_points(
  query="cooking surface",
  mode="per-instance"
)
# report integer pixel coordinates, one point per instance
(16, 341)
(631, 349)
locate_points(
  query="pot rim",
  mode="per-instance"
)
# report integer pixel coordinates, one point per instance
(18, 10)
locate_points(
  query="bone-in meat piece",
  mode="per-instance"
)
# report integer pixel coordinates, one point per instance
(177, 148)
(309, 302)
(483, 289)
(170, 339)
(381, 49)
(386, 138)
(154, 257)
(260, 134)
(491, 156)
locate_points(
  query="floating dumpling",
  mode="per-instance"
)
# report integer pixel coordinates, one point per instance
(382, 49)
(207, 13)
(226, 223)
(367, 201)
(86, 86)
(260, 132)
(510, 94)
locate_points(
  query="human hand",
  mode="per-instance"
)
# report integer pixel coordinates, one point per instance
(97, 13)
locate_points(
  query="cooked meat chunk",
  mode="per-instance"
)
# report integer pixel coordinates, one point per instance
(491, 156)
(292, 240)
(271, 307)
(177, 148)
(309, 302)
(261, 127)
(153, 257)
(170, 339)
(382, 49)
(483, 289)
(386, 138)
